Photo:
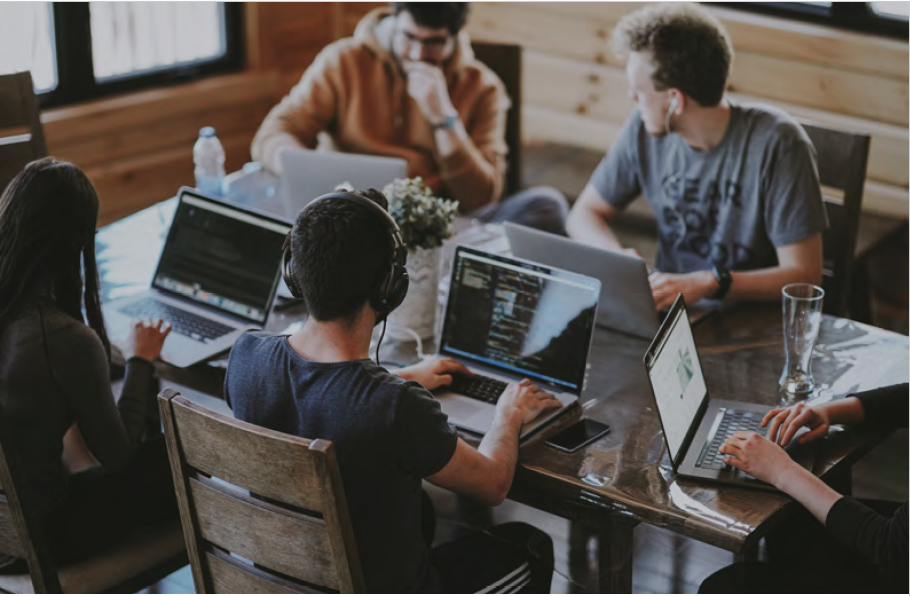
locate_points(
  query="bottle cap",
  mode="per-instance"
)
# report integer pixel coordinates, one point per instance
(206, 132)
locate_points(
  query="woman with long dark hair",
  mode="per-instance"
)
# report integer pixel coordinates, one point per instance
(55, 372)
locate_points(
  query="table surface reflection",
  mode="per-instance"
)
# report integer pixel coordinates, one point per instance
(627, 473)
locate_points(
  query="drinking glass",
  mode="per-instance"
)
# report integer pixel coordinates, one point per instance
(802, 311)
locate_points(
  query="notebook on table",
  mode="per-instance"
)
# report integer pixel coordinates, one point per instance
(215, 279)
(508, 319)
(695, 425)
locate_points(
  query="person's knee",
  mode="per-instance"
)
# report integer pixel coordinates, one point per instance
(540, 207)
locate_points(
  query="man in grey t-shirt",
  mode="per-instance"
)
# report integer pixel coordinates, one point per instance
(734, 188)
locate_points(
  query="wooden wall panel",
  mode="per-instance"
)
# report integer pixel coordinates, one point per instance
(574, 90)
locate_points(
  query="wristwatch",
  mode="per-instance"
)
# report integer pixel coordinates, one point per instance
(447, 123)
(724, 279)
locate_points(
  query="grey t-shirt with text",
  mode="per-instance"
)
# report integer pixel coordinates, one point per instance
(732, 205)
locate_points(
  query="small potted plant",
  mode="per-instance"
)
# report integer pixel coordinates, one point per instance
(425, 221)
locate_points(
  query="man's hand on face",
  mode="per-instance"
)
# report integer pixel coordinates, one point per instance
(427, 86)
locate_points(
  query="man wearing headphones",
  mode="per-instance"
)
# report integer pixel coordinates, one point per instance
(734, 188)
(389, 432)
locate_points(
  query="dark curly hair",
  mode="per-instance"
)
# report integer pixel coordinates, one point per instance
(690, 47)
(436, 15)
(341, 252)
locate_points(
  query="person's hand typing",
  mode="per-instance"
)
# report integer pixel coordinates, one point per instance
(525, 399)
(756, 455)
(694, 286)
(434, 372)
(146, 339)
(785, 422)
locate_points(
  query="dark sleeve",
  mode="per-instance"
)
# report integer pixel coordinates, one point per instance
(425, 440)
(616, 177)
(111, 430)
(794, 209)
(876, 538)
(885, 407)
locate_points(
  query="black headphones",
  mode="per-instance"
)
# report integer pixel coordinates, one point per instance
(391, 290)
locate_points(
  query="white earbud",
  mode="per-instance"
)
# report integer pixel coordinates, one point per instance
(674, 103)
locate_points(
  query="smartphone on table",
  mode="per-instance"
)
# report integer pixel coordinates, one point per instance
(584, 432)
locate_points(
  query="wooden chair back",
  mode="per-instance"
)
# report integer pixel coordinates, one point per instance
(505, 61)
(21, 132)
(21, 534)
(262, 511)
(842, 158)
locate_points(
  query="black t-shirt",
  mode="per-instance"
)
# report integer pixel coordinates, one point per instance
(388, 434)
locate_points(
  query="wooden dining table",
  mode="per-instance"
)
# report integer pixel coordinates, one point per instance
(625, 478)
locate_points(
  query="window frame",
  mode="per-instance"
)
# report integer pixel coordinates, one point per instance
(75, 71)
(854, 16)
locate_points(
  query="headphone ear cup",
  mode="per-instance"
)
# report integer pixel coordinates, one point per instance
(399, 283)
(287, 270)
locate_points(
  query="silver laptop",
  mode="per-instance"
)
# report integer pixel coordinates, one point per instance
(509, 319)
(307, 174)
(215, 279)
(626, 302)
(695, 425)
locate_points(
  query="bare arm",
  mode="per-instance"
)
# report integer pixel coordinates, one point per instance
(797, 262)
(486, 473)
(589, 220)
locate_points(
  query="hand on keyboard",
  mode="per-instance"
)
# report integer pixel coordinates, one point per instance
(434, 373)
(757, 456)
(146, 339)
(525, 399)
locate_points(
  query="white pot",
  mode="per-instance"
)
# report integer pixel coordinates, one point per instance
(418, 311)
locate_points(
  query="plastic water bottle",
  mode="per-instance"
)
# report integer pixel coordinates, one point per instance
(208, 155)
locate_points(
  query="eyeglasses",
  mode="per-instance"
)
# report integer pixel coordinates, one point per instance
(432, 45)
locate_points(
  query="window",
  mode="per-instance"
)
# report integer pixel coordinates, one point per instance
(83, 50)
(882, 18)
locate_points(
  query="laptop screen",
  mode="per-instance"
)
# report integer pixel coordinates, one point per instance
(520, 317)
(223, 257)
(676, 377)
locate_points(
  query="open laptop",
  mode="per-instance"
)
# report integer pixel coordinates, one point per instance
(695, 425)
(215, 279)
(307, 174)
(626, 302)
(509, 319)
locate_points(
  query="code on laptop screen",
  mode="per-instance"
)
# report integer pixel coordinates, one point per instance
(527, 319)
(224, 258)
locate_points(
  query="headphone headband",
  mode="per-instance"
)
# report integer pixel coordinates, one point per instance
(393, 287)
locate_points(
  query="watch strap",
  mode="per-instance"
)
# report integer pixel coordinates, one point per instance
(724, 280)
(447, 123)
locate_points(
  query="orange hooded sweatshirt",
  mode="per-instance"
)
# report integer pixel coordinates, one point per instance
(356, 92)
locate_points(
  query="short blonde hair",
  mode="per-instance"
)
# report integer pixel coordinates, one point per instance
(691, 49)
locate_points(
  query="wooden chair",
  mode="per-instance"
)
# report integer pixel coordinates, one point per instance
(842, 159)
(21, 132)
(262, 511)
(126, 568)
(505, 61)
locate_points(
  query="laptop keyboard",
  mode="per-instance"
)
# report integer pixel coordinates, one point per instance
(732, 421)
(185, 323)
(478, 387)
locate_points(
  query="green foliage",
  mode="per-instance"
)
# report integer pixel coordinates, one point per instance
(425, 220)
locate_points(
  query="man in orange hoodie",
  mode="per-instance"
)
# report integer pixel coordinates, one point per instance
(407, 85)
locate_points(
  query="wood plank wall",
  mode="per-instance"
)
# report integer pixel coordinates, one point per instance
(575, 90)
(137, 148)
